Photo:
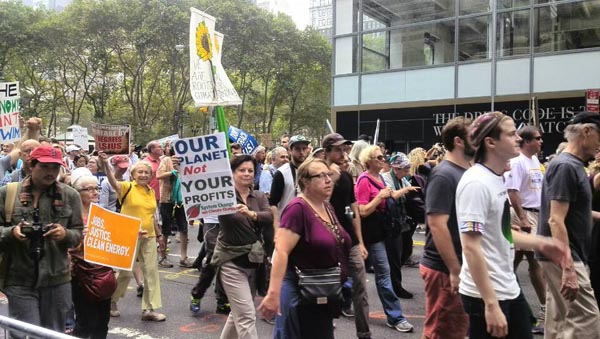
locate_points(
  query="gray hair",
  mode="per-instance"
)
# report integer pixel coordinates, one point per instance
(357, 148)
(276, 151)
(84, 180)
(575, 131)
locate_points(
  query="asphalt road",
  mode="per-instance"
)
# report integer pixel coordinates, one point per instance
(176, 284)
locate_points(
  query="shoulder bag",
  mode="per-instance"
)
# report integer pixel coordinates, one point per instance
(97, 282)
(322, 286)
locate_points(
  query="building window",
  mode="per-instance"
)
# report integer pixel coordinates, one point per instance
(375, 52)
(474, 38)
(396, 13)
(475, 6)
(503, 4)
(512, 33)
(569, 26)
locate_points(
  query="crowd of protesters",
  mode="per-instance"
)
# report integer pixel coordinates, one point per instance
(483, 195)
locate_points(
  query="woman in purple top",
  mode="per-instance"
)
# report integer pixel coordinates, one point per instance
(309, 237)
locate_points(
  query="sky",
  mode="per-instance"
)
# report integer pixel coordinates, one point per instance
(298, 10)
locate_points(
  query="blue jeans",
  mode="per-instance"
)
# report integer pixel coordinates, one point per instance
(389, 300)
(297, 320)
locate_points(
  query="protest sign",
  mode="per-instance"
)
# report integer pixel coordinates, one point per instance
(170, 139)
(245, 139)
(9, 112)
(111, 238)
(112, 139)
(80, 137)
(206, 179)
(209, 84)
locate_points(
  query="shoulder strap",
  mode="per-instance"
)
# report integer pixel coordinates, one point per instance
(373, 182)
(9, 203)
(126, 193)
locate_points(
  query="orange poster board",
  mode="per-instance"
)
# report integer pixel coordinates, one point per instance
(111, 238)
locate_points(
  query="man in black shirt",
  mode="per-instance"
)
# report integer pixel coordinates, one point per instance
(441, 262)
(344, 203)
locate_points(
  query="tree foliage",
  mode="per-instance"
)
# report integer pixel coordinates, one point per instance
(127, 61)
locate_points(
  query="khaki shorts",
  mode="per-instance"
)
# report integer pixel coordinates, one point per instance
(531, 216)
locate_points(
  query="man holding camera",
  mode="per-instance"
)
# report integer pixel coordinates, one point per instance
(43, 220)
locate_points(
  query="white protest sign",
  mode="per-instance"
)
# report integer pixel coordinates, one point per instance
(170, 139)
(209, 84)
(9, 112)
(206, 181)
(80, 137)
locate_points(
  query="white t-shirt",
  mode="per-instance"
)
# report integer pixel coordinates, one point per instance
(526, 177)
(482, 207)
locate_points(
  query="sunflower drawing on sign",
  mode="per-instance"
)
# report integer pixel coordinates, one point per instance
(203, 42)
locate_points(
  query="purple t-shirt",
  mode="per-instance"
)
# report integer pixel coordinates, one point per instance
(317, 247)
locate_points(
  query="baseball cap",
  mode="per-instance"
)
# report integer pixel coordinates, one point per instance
(121, 161)
(297, 139)
(334, 139)
(47, 154)
(586, 118)
(400, 160)
(72, 148)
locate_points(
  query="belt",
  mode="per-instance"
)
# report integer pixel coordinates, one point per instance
(531, 209)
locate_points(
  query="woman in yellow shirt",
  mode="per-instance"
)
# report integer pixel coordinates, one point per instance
(137, 200)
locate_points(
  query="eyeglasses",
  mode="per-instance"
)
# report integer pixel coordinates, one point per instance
(321, 176)
(91, 189)
(538, 138)
(379, 157)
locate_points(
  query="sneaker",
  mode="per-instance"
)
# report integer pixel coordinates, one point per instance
(411, 263)
(348, 312)
(140, 290)
(538, 329)
(186, 263)
(402, 326)
(114, 311)
(404, 294)
(195, 306)
(151, 315)
(164, 262)
(223, 308)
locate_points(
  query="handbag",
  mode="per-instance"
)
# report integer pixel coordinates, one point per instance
(322, 286)
(97, 282)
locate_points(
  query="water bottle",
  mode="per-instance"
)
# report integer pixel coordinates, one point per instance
(349, 214)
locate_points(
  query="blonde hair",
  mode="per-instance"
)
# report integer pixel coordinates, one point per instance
(138, 164)
(367, 154)
(416, 157)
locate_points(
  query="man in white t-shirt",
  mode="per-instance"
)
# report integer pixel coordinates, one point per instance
(524, 185)
(488, 286)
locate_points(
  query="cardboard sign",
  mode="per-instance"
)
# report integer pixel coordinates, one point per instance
(111, 238)
(209, 83)
(206, 180)
(9, 112)
(112, 139)
(80, 137)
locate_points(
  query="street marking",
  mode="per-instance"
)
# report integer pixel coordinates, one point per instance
(418, 243)
(215, 324)
(174, 275)
(381, 315)
(132, 333)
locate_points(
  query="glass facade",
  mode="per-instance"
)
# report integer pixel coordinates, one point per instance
(399, 34)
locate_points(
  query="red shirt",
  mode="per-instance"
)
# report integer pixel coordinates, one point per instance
(154, 181)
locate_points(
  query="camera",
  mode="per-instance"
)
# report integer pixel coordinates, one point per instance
(35, 234)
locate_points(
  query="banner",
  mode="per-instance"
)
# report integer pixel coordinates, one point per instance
(245, 139)
(80, 137)
(9, 112)
(205, 174)
(170, 138)
(111, 238)
(209, 84)
(112, 139)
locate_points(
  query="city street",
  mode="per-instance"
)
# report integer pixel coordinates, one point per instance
(176, 284)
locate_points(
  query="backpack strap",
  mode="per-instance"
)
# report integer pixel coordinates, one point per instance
(9, 203)
(120, 202)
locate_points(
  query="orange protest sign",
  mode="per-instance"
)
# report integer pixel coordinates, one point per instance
(111, 238)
